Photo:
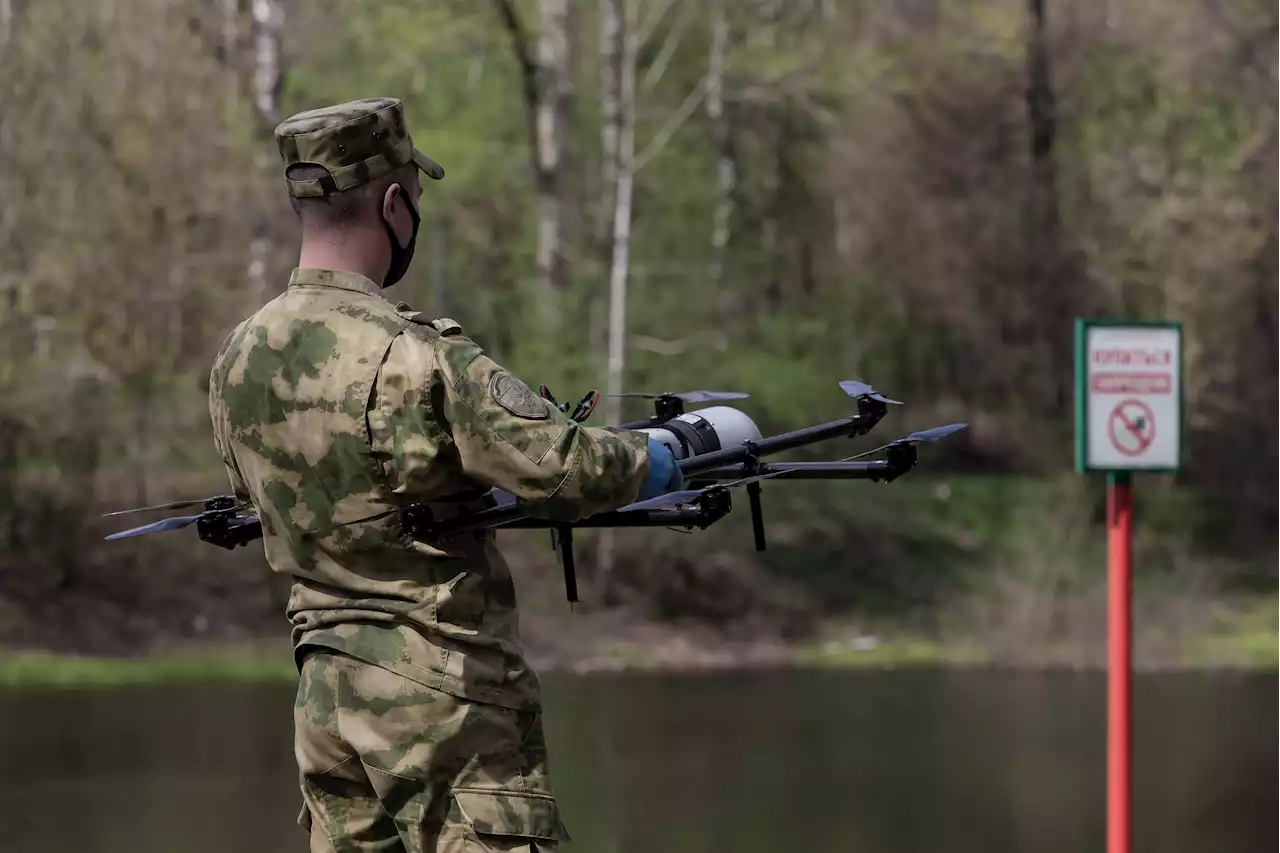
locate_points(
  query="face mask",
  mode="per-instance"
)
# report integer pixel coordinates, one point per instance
(400, 255)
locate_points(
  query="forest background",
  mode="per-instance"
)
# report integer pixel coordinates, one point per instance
(921, 194)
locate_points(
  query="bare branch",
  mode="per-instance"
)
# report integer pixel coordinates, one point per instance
(673, 123)
(528, 77)
(668, 51)
(650, 25)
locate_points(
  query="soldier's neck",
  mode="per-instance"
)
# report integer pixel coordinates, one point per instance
(346, 252)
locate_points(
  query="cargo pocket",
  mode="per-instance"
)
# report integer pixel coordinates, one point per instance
(504, 817)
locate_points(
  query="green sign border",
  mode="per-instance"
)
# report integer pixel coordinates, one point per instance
(1082, 393)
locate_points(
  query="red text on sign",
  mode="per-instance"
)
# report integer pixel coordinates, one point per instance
(1131, 383)
(1125, 356)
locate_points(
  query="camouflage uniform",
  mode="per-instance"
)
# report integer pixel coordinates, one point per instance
(417, 718)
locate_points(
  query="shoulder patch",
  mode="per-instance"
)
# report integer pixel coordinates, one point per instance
(446, 326)
(512, 394)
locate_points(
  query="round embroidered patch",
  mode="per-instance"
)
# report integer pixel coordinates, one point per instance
(512, 394)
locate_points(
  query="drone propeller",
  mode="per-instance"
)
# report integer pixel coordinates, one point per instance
(689, 396)
(929, 434)
(176, 523)
(173, 505)
(219, 505)
(856, 389)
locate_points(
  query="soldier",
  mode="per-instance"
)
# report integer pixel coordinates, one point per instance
(417, 720)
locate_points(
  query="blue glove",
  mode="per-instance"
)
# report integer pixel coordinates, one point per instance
(664, 474)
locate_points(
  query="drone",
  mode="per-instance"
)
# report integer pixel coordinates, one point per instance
(718, 448)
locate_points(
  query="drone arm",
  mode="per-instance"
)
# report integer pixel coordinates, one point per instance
(750, 451)
(875, 470)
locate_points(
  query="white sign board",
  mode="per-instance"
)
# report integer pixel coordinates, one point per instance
(1129, 390)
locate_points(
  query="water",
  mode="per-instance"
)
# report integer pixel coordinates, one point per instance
(857, 762)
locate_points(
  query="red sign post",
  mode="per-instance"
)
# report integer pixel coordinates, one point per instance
(1129, 418)
(1120, 660)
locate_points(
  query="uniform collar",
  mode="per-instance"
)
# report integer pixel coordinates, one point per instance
(341, 279)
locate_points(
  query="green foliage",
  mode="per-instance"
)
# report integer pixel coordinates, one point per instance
(1126, 103)
(887, 225)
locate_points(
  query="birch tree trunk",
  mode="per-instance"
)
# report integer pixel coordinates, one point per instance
(268, 77)
(6, 23)
(610, 50)
(620, 260)
(554, 92)
(602, 230)
(231, 40)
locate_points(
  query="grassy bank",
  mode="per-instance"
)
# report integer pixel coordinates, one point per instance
(216, 664)
(1247, 641)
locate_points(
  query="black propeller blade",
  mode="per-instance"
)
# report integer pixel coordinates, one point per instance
(856, 389)
(932, 434)
(689, 396)
(176, 523)
(173, 505)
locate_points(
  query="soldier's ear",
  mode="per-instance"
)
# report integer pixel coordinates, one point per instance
(388, 198)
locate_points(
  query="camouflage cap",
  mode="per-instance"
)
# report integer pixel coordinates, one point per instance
(356, 142)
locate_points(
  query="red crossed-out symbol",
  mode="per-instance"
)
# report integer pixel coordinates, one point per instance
(1131, 427)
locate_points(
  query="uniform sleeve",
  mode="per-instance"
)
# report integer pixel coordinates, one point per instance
(221, 424)
(509, 437)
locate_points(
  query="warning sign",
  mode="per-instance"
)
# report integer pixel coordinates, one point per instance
(1129, 391)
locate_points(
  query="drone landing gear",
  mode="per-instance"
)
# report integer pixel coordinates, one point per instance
(562, 542)
(708, 508)
(757, 515)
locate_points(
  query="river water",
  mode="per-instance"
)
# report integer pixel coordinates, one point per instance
(857, 762)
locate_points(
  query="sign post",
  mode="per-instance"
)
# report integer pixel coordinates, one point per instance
(1129, 418)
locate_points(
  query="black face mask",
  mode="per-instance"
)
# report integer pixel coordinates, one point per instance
(401, 256)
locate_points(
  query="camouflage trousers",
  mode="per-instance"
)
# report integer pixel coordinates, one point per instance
(387, 764)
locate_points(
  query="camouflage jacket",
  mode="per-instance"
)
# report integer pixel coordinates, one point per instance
(331, 405)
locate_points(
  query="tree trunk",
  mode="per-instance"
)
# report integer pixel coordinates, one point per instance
(1044, 273)
(230, 32)
(6, 24)
(546, 85)
(726, 168)
(620, 260)
(268, 78)
(610, 49)
(555, 87)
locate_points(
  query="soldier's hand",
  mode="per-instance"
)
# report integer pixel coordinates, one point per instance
(664, 474)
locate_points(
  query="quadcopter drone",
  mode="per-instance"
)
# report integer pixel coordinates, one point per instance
(718, 448)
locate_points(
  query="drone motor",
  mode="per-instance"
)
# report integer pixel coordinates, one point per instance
(704, 431)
